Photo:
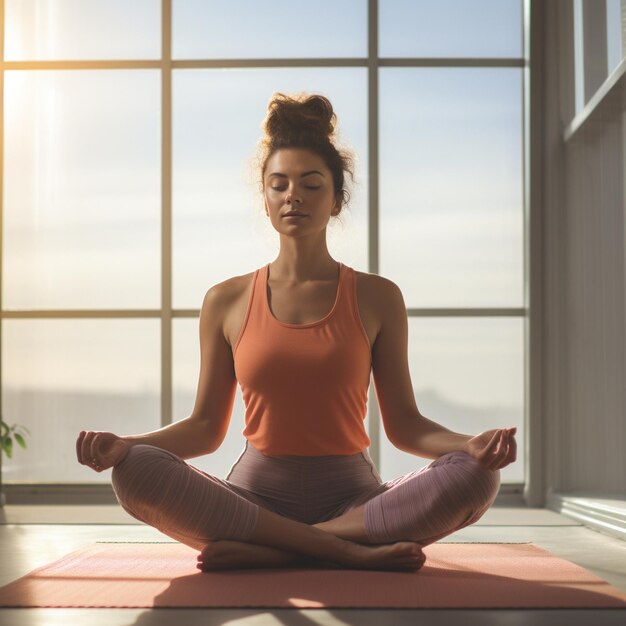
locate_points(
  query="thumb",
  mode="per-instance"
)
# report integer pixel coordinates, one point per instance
(95, 446)
(491, 441)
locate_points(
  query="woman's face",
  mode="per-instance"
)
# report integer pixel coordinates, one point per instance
(298, 180)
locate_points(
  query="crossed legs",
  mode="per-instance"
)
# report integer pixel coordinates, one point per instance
(386, 532)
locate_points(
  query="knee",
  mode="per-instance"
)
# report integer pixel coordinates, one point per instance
(138, 468)
(137, 456)
(480, 484)
(141, 454)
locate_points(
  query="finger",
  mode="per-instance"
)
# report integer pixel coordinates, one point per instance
(94, 449)
(511, 451)
(503, 450)
(512, 455)
(96, 459)
(87, 457)
(499, 451)
(85, 449)
(514, 448)
(499, 456)
(493, 463)
(501, 442)
(79, 442)
(488, 449)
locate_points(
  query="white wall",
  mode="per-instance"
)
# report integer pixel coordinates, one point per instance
(584, 321)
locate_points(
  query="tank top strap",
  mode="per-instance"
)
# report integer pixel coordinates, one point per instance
(351, 306)
(259, 293)
(349, 291)
(254, 311)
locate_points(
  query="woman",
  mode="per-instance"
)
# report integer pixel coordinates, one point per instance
(301, 335)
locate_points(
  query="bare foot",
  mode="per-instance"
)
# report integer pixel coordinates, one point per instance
(218, 555)
(402, 556)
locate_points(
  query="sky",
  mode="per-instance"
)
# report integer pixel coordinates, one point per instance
(82, 171)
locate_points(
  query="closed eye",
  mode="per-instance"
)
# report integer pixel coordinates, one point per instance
(283, 188)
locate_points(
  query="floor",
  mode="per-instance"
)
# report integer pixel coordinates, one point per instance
(31, 536)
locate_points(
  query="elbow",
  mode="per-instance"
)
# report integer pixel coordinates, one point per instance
(213, 443)
(406, 439)
(408, 447)
(396, 441)
(205, 431)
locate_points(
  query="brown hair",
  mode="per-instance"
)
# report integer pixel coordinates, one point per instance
(306, 121)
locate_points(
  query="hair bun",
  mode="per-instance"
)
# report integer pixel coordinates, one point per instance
(305, 121)
(290, 117)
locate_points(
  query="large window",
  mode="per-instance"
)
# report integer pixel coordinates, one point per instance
(129, 130)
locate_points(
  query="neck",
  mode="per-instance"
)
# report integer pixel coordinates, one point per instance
(296, 262)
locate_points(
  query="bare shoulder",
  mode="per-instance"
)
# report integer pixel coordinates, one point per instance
(379, 301)
(228, 300)
(378, 290)
(375, 284)
(230, 289)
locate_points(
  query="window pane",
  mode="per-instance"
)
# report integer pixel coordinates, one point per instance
(579, 73)
(220, 228)
(451, 218)
(614, 36)
(241, 29)
(82, 189)
(450, 28)
(46, 30)
(468, 375)
(66, 375)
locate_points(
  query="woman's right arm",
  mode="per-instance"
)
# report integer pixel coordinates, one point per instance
(204, 430)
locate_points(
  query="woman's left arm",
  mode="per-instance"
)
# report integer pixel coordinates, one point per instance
(407, 429)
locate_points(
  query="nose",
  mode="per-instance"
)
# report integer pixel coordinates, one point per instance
(290, 198)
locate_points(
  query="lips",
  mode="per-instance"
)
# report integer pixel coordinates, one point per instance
(294, 214)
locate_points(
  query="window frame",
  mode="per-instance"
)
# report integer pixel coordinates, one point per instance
(166, 313)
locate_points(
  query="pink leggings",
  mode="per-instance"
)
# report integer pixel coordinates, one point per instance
(160, 489)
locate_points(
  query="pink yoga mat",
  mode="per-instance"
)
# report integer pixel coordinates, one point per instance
(147, 575)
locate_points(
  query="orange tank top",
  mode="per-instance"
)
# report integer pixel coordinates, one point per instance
(304, 386)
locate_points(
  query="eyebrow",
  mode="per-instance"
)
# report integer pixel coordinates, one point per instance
(301, 175)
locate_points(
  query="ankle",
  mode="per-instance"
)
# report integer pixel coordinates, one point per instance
(352, 553)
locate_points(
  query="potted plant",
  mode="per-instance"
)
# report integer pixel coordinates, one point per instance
(7, 434)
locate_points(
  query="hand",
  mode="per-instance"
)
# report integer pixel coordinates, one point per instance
(100, 450)
(494, 449)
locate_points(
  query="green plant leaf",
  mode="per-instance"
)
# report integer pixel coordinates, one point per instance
(20, 440)
(7, 445)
